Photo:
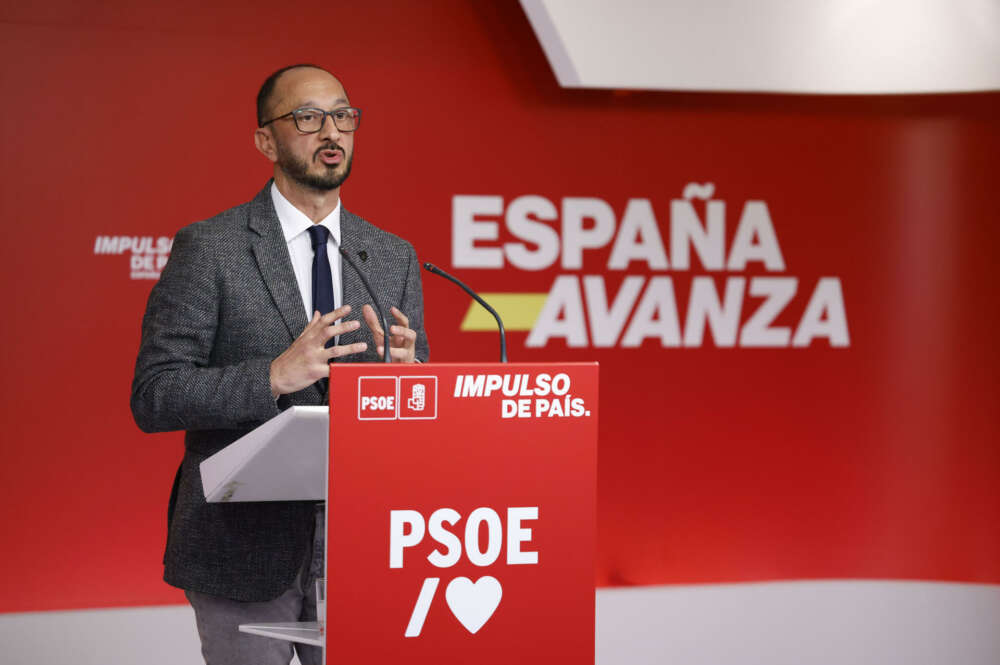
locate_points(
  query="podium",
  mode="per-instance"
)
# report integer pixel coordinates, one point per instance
(461, 509)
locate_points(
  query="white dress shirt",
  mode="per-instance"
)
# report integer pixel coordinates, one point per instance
(295, 226)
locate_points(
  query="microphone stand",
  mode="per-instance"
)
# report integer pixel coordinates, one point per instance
(371, 292)
(430, 267)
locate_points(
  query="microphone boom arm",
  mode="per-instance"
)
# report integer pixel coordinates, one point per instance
(430, 267)
(378, 308)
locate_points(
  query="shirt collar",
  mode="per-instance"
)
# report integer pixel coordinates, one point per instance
(294, 221)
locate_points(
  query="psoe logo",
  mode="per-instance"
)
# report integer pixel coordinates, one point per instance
(472, 602)
(397, 397)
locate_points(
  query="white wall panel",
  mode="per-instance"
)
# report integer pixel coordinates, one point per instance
(781, 623)
(828, 46)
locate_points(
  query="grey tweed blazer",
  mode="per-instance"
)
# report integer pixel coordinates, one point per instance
(225, 306)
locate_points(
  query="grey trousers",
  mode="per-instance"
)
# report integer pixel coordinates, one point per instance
(218, 618)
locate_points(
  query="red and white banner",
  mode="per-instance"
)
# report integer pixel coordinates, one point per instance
(792, 298)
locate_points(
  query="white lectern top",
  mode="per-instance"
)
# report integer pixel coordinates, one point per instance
(285, 459)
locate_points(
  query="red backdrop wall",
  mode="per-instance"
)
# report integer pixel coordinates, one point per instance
(871, 460)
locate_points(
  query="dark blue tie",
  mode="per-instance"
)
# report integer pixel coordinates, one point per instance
(322, 277)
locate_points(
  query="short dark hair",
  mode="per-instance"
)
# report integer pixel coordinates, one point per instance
(267, 89)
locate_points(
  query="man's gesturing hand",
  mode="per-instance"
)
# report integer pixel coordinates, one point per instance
(402, 339)
(307, 359)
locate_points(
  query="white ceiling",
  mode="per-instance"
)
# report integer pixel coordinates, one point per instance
(797, 46)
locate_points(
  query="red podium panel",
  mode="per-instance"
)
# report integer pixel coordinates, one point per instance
(461, 513)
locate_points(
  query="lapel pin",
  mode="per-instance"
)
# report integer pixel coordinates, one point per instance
(363, 255)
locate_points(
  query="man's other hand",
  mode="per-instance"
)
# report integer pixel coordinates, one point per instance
(402, 339)
(307, 360)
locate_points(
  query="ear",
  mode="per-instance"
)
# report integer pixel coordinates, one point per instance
(264, 140)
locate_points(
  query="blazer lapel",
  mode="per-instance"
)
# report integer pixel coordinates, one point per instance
(271, 253)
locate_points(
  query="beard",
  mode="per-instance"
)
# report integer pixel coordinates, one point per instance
(325, 179)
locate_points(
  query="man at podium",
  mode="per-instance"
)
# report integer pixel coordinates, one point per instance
(249, 310)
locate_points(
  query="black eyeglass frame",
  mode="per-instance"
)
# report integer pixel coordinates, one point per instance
(332, 115)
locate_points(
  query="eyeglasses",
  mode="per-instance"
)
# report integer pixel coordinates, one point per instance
(310, 120)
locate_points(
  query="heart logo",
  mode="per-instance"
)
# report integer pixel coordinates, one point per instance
(473, 603)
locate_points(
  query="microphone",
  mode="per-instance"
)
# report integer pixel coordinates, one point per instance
(371, 292)
(430, 267)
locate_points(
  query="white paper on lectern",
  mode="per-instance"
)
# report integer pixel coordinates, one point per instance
(285, 459)
(306, 632)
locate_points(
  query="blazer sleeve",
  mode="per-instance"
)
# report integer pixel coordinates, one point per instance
(175, 385)
(413, 305)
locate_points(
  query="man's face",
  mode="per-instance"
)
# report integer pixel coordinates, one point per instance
(320, 161)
